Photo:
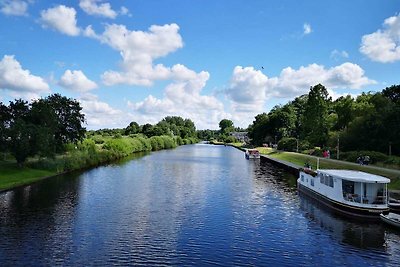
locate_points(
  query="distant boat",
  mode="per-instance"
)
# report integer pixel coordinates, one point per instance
(252, 154)
(394, 205)
(353, 193)
(392, 219)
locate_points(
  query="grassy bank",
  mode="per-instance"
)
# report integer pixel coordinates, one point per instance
(91, 152)
(301, 159)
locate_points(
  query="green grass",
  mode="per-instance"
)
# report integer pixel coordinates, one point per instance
(12, 176)
(301, 159)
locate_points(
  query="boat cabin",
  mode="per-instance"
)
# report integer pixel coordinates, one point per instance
(356, 186)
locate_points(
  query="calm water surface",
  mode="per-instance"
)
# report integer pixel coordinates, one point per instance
(194, 205)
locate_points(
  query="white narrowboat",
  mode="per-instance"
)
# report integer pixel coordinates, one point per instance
(252, 154)
(353, 193)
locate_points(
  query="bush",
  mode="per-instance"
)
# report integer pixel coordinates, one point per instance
(86, 153)
(230, 139)
(287, 144)
(373, 155)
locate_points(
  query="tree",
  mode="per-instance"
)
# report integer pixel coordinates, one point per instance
(132, 128)
(258, 129)
(147, 130)
(314, 120)
(20, 131)
(4, 125)
(40, 128)
(226, 126)
(69, 120)
(344, 108)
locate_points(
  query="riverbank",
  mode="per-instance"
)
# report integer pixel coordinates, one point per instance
(84, 155)
(296, 160)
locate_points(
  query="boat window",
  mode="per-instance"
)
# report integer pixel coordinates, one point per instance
(326, 180)
(312, 182)
(330, 181)
(347, 187)
(302, 178)
(322, 178)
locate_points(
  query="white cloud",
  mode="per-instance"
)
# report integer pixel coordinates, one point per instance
(94, 7)
(14, 7)
(182, 98)
(100, 114)
(138, 50)
(337, 55)
(77, 81)
(384, 44)
(60, 18)
(19, 81)
(250, 89)
(124, 11)
(306, 28)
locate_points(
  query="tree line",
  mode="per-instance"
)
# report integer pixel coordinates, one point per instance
(174, 126)
(42, 127)
(371, 122)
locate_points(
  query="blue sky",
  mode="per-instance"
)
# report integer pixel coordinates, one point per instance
(142, 60)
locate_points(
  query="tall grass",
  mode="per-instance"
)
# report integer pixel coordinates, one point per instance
(96, 150)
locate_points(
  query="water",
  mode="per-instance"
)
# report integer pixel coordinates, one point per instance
(195, 205)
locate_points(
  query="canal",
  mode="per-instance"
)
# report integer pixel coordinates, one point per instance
(196, 205)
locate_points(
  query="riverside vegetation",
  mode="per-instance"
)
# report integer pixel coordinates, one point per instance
(46, 137)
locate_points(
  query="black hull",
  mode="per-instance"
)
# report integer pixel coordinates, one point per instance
(394, 208)
(341, 208)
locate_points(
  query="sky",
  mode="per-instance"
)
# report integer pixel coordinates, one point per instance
(206, 60)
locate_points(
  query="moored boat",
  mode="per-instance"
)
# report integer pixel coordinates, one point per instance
(353, 193)
(252, 154)
(392, 219)
(394, 205)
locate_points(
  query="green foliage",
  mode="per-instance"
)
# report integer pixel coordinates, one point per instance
(314, 119)
(226, 126)
(287, 144)
(40, 128)
(374, 156)
(371, 122)
(230, 139)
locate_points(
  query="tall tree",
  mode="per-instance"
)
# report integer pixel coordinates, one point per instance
(21, 131)
(69, 119)
(344, 108)
(226, 126)
(315, 123)
(5, 117)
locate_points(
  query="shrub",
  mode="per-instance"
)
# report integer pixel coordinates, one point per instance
(288, 144)
(373, 155)
(230, 139)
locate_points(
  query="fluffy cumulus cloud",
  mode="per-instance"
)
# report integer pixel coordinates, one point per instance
(20, 81)
(60, 18)
(14, 7)
(97, 8)
(384, 44)
(77, 81)
(306, 28)
(100, 114)
(249, 88)
(138, 50)
(182, 98)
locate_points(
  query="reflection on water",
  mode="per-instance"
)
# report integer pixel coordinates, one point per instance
(194, 205)
(354, 233)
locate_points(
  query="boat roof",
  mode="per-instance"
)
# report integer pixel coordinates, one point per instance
(357, 176)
